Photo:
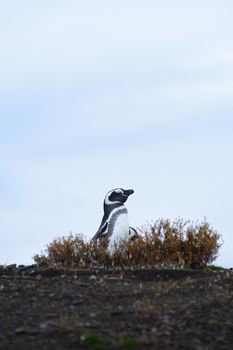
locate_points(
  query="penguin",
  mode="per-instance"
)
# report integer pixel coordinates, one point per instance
(115, 225)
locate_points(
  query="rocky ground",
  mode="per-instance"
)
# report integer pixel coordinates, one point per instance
(131, 309)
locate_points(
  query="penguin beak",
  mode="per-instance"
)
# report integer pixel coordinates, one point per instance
(128, 192)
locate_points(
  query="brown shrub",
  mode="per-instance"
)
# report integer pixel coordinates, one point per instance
(162, 244)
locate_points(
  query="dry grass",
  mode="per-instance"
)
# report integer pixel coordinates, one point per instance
(162, 244)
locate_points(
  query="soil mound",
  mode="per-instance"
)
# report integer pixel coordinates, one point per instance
(109, 309)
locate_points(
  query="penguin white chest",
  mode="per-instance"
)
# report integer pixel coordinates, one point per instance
(120, 231)
(121, 227)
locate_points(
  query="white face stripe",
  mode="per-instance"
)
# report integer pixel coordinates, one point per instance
(114, 211)
(107, 201)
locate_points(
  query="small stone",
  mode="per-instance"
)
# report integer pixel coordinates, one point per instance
(20, 330)
(26, 268)
(44, 325)
(93, 277)
(120, 308)
(153, 330)
(82, 337)
(11, 267)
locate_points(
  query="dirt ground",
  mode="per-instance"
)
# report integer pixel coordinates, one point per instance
(107, 309)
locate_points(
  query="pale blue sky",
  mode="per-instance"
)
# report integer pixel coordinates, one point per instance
(102, 94)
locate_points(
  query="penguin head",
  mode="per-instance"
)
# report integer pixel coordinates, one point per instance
(117, 195)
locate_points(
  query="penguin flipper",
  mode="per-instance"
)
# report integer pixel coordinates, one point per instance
(133, 233)
(102, 231)
(132, 230)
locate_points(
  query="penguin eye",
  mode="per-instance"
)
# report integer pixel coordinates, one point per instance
(115, 196)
